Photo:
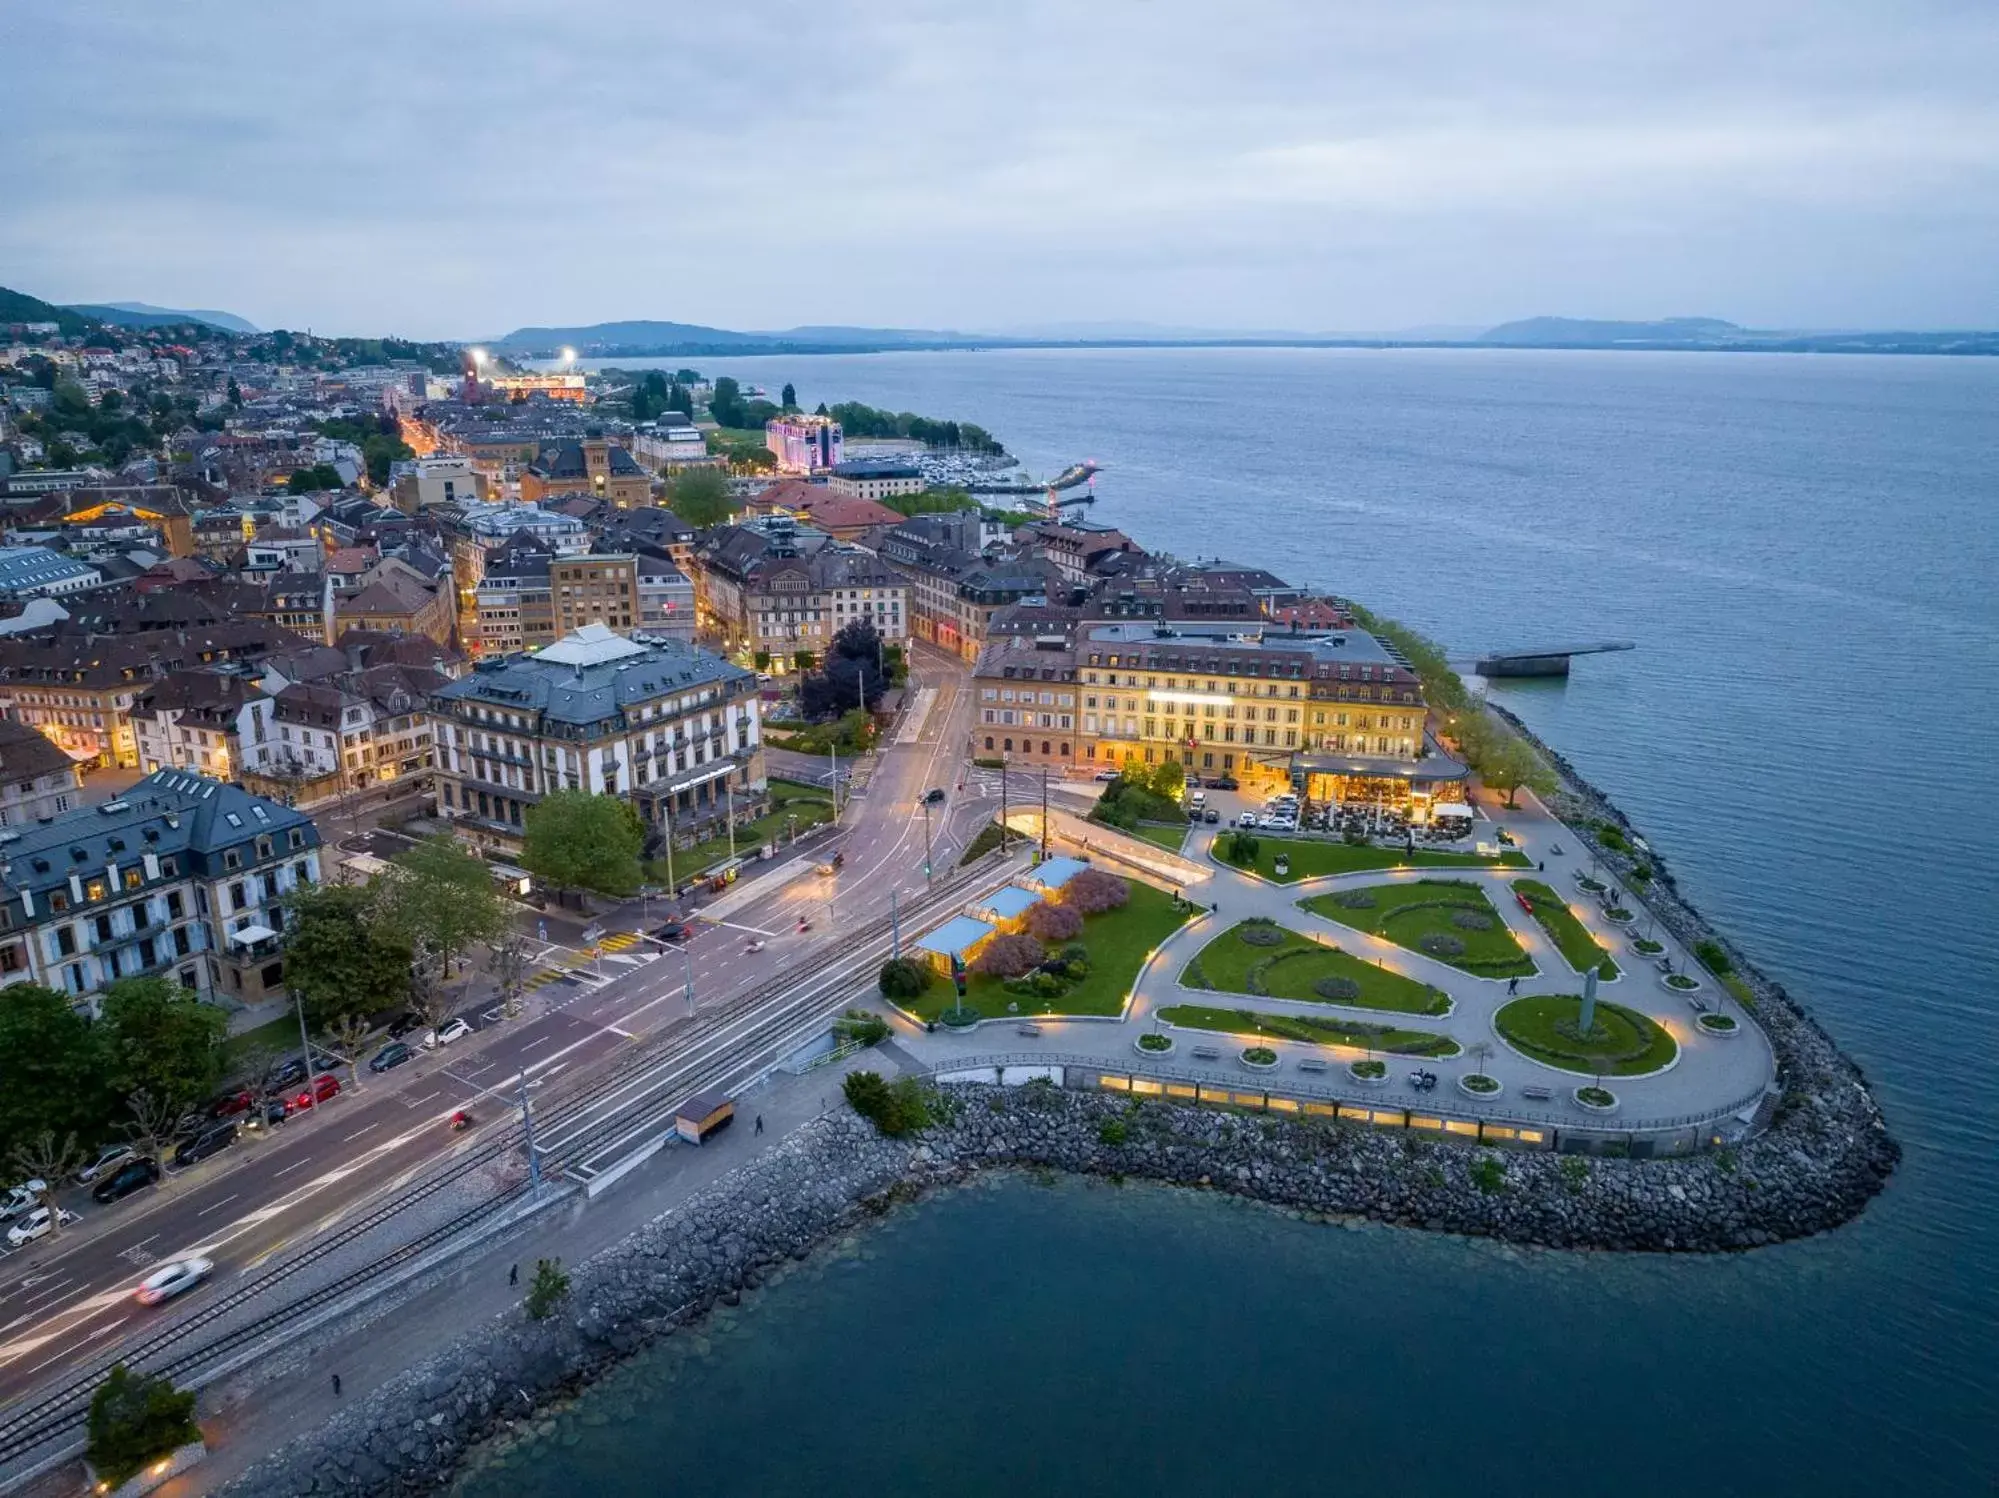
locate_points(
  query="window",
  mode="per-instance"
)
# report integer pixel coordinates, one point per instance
(236, 896)
(65, 941)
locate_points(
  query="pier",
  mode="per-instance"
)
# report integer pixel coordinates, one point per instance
(1551, 661)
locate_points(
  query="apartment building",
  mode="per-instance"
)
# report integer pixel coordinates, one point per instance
(352, 731)
(954, 592)
(198, 720)
(669, 726)
(779, 592)
(593, 466)
(182, 877)
(1027, 697)
(36, 778)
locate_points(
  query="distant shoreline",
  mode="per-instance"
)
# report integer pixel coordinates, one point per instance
(1955, 345)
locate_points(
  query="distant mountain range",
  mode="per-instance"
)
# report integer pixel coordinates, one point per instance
(146, 315)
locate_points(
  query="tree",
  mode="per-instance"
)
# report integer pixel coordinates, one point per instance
(905, 978)
(509, 970)
(317, 478)
(153, 1122)
(854, 675)
(788, 397)
(548, 1287)
(680, 398)
(235, 393)
(1509, 764)
(1050, 923)
(134, 1419)
(1009, 957)
(726, 404)
(53, 1158)
(347, 1035)
(1169, 779)
(580, 840)
(700, 497)
(440, 899)
(52, 1059)
(1094, 891)
(339, 957)
(163, 1039)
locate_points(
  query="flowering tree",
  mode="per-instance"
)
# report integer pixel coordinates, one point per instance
(1009, 957)
(1093, 891)
(1050, 923)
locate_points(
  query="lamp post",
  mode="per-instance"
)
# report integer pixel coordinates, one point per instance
(926, 841)
(687, 958)
(527, 1125)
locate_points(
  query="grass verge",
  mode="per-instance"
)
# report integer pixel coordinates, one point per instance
(1311, 859)
(1571, 937)
(810, 804)
(1429, 909)
(1312, 1029)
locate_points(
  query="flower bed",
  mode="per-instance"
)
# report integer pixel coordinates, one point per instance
(1479, 1085)
(1719, 1024)
(1682, 983)
(1618, 915)
(1259, 1058)
(1647, 946)
(1595, 1099)
(1588, 885)
(1312, 1029)
(1151, 1043)
(1368, 1073)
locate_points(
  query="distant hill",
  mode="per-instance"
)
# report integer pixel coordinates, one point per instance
(18, 306)
(606, 339)
(146, 315)
(1583, 332)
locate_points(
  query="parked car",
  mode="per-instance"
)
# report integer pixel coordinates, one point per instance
(1223, 782)
(444, 1034)
(170, 1280)
(272, 1110)
(133, 1175)
(108, 1158)
(1211, 815)
(1247, 819)
(285, 1074)
(210, 1142)
(403, 1024)
(23, 1198)
(38, 1224)
(232, 1103)
(1105, 775)
(394, 1054)
(324, 1086)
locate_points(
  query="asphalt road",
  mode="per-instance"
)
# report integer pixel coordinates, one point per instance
(70, 1299)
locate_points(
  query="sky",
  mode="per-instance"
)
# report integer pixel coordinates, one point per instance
(457, 168)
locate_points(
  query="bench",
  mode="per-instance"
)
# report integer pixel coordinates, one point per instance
(1029, 1030)
(1309, 1064)
(1206, 1053)
(1538, 1094)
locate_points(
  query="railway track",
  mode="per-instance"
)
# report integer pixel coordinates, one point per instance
(612, 1107)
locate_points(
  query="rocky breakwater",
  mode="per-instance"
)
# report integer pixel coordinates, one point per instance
(1783, 1184)
(1825, 1119)
(409, 1436)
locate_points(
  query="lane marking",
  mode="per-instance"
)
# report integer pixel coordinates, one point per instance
(359, 1132)
(216, 1206)
(295, 1165)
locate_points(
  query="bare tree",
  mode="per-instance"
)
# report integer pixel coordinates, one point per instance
(1480, 1052)
(430, 994)
(509, 956)
(347, 1035)
(154, 1122)
(53, 1159)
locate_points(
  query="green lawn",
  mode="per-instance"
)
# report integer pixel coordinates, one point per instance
(1119, 942)
(1169, 838)
(276, 1035)
(1311, 859)
(1290, 970)
(1578, 948)
(1623, 1042)
(789, 798)
(1312, 1029)
(1407, 913)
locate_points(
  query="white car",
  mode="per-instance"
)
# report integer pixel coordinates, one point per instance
(108, 1159)
(38, 1224)
(22, 1198)
(169, 1280)
(1247, 819)
(444, 1034)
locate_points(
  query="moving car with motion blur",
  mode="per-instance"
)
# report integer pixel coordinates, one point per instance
(172, 1279)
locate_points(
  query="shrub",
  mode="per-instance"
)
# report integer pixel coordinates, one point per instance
(1153, 1042)
(1051, 923)
(1259, 1055)
(1238, 847)
(1369, 1068)
(1093, 892)
(1259, 934)
(1353, 837)
(1479, 1082)
(1009, 957)
(1596, 1097)
(135, 1418)
(1442, 944)
(1714, 957)
(1488, 1173)
(1354, 899)
(1339, 990)
(1575, 1172)
(905, 978)
(1113, 1131)
(894, 1108)
(1472, 920)
(549, 1286)
(990, 837)
(858, 1024)
(1610, 837)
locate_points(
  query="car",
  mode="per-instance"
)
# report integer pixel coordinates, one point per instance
(444, 1034)
(934, 796)
(1223, 782)
(404, 1024)
(108, 1158)
(1211, 815)
(671, 931)
(171, 1279)
(324, 1086)
(285, 1074)
(232, 1103)
(272, 1110)
(1247, 819)
(1106, 775)
(210, 1142)
(134, 1175)
(38, 1224)
(394, 1054)
(23, 1198)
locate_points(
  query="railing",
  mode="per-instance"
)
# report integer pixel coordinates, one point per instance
(1425, 1103)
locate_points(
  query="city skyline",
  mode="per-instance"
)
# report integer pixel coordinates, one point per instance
(457, 172)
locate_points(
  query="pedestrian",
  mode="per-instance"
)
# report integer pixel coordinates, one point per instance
(514, 1275)
(760, 1123)
(1512, 987)
(336, 1386)
(1541, 867)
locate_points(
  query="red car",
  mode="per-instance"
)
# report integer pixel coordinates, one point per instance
(232, 1103)
(324, 1086)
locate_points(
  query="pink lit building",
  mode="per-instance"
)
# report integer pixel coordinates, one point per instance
(803, 444)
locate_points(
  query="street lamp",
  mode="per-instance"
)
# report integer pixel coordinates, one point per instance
(926, 840)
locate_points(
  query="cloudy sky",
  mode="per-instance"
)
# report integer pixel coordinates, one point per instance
(462, 167)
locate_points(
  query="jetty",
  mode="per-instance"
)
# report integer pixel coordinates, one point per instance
(1542, 661)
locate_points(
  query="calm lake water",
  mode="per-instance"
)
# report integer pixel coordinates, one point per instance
(1804, 550)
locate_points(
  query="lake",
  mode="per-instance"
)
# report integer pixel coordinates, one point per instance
(1803, 549)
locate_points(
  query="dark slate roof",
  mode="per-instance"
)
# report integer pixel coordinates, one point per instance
(597, 693)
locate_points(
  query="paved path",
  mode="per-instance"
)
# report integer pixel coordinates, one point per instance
(1711, 1073)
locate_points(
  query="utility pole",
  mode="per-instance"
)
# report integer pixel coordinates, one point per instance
(833, 777)
(527, 1123)
(1002, 803)
(894, 928)
(1044, 813)
(687, 958)
(672, 889)
(926, 842)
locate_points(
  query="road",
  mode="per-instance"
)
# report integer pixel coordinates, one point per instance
(69, 1300)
